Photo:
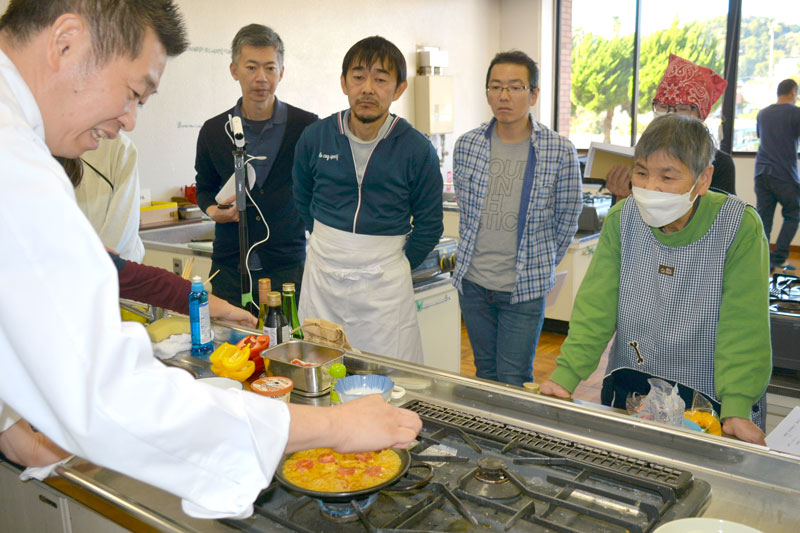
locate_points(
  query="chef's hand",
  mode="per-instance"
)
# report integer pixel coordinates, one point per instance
(230, 214)
(618, 181)
(551, 388)
(362, 425)
(743, 429)
(219, 308)
(24, 446)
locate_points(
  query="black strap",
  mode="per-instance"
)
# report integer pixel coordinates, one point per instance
(99, 173)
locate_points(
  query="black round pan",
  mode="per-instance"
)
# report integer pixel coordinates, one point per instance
(339, 497)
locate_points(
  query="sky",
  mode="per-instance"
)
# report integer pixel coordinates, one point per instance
(597, 17)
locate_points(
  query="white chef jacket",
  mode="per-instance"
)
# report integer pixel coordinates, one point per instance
(86, 380)
(112, 206)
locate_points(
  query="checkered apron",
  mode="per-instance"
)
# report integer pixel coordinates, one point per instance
(669, 300)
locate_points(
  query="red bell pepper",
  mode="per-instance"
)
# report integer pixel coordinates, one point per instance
(257, 343)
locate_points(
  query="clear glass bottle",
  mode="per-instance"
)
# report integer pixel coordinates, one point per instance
(264, 288)
(275, 325)
(200, 320)
(290, 311)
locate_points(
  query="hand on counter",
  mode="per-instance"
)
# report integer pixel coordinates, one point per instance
(550, 388)
(618, 181)
(219, 308)
(362, 425)
(224, 215)
(26, 447)
(743, 429)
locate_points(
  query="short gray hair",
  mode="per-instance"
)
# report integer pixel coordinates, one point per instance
(259, 36)
(684, 138)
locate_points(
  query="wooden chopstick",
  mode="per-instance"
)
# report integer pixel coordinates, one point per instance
(187, 269)
(211, 277)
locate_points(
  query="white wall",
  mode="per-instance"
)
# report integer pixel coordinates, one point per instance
(745, 189)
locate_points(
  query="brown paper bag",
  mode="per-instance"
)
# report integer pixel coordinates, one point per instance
(325, 332)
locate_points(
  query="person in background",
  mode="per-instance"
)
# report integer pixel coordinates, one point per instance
(518, 188)
(73, 72)
(108, 194)
(776, 177)
(680, 275)
(271, 129)
(360, 176)
(691, 90)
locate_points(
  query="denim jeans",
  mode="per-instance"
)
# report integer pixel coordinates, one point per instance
(770, 192)
(503, 335)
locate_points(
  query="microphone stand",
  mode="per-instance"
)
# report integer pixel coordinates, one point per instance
(240, 172)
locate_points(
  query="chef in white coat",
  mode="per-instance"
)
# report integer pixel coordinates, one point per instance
(95, 388)
(369, 189)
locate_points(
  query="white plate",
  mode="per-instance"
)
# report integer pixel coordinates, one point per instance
(704, 525)
(222, 383)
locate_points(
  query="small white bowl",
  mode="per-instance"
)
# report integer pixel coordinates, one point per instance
(704, 525)
(222, 383)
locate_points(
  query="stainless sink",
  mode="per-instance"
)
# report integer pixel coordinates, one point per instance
(182, 234)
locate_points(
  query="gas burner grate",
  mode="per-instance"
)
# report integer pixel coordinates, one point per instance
(673, 479)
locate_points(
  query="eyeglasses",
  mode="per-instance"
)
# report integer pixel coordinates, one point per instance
(681, 109)
(496, 90)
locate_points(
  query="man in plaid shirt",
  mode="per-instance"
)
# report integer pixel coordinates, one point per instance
(518, 188)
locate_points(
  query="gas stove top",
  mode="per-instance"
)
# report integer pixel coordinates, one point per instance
(471, 473)
(784, 312)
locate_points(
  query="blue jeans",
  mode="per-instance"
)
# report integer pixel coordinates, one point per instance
(770, 192)
(503, 335)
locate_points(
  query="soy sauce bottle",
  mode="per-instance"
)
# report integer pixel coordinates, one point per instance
(275, 325)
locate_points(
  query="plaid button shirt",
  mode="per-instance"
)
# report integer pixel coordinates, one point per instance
(553, 208)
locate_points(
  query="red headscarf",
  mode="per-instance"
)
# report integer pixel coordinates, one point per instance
(685, 82)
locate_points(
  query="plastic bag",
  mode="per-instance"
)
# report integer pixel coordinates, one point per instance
(702, 413)
(662, 403)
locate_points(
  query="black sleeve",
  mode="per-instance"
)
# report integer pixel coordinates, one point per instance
(724, 177)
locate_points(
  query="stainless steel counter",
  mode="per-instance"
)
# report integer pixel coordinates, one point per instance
(749, 485)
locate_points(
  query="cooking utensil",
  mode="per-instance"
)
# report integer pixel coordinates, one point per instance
(346, 496)
(311, 380)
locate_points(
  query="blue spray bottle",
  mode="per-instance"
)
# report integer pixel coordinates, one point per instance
(200, 320)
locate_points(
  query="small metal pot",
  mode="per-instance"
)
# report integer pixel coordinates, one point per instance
(347, 496)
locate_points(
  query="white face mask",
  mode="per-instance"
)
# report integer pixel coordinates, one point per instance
(661, 208)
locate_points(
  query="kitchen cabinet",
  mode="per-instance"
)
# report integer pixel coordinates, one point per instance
(439, 319)
(29, 505)
(33, 506)
(569, 275)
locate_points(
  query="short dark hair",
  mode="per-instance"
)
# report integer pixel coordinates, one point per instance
(518, 58)
(117, 28)
(259, 36)
(682, 137)
(786, 86)
(373, 49)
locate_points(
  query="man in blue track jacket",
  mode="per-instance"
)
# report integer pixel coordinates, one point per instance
(368, 187)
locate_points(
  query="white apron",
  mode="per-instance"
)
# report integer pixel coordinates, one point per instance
(362, 282)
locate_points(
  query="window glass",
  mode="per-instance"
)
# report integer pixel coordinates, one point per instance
(769, 51)
(689, 29)
(601, 60)
(602, 71)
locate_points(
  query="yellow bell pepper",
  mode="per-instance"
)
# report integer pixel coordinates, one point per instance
(228, 361)
(705, 420)
(224, 349)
